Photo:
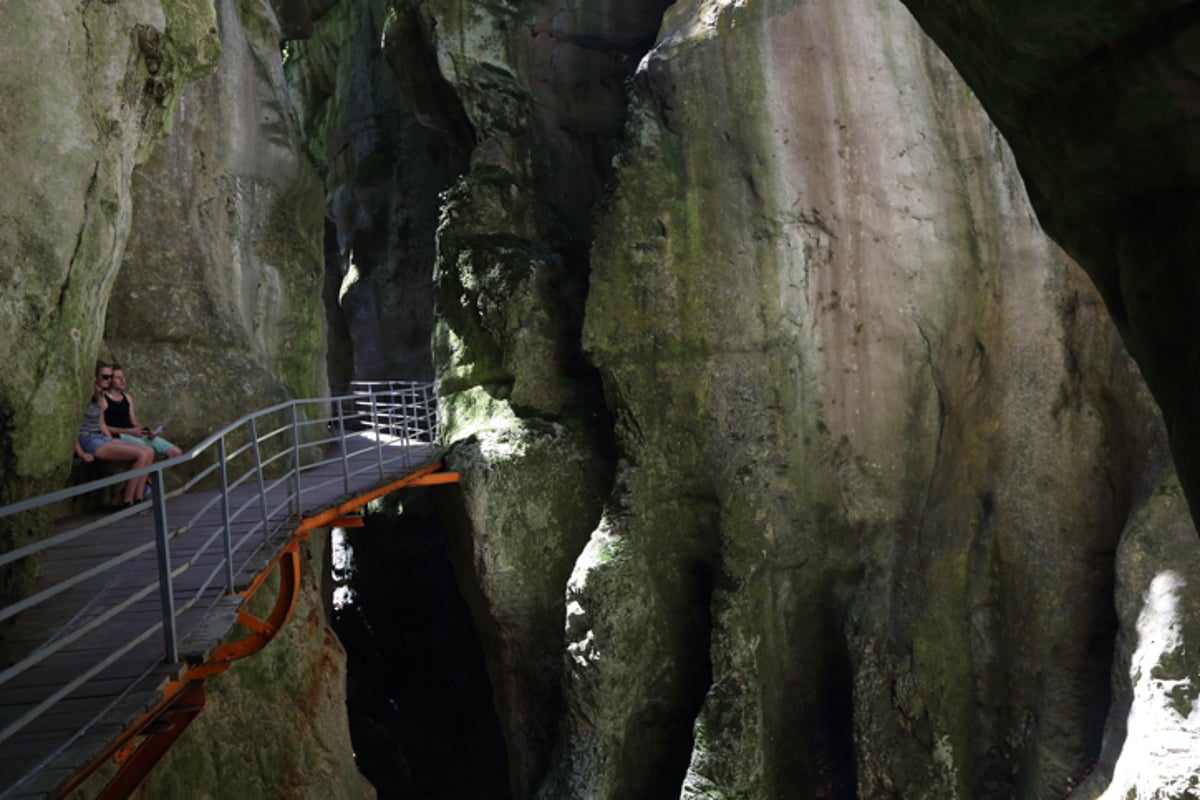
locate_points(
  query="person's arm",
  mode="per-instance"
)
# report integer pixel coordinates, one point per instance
(138, 428)
(79, 451)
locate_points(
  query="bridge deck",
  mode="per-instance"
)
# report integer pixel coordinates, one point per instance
(39, 759)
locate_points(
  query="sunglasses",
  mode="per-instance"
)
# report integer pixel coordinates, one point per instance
(107, 377)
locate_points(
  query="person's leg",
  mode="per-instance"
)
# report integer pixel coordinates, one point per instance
(140, 455)
(136, 488)
(161, 446)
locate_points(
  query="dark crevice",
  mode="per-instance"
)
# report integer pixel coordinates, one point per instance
(339, 348)
(658, 749)
(420, 703)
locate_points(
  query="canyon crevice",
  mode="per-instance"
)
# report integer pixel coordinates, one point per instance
(818, 409)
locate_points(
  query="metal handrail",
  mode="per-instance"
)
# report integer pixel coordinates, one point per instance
(295, 432)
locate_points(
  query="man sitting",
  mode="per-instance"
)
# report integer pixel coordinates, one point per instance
(120, 418)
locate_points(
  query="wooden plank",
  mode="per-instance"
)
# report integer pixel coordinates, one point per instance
(208, 635)
(48, 781)
(44, 785)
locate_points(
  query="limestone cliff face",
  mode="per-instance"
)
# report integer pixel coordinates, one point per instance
(86, 89)
(1101, 104)
(892, 512)
(542, 86)
(216, 310)
(895, 434)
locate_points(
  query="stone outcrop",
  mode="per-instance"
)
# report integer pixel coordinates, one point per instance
(542, 86)
(884, 468)
(1152, 736)
(1100, 103)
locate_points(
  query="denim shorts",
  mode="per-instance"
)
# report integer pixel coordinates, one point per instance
(91, 442)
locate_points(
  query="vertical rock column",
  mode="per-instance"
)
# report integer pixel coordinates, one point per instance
(384, 163)
(542, 86)
(878, 440)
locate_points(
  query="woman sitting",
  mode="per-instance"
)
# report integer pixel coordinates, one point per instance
(96, 441)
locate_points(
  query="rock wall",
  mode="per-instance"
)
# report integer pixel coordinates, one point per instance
(216, 310)
(890, 499)
(1100, 103)
(161, 209)
(86, 90)
(542, 86)
(384, 162)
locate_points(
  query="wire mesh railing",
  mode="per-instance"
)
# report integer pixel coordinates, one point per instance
(254, 471)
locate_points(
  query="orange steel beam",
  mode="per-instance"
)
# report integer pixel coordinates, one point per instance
(167, 727)
(159, 728)
(183, 699)
(426, 476)
(261, 631)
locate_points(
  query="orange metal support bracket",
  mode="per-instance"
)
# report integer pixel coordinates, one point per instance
(426, 476)
(183, 699)
(262, 631)
(160, 728)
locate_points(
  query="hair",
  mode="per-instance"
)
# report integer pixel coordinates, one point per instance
(101, 365)
(115, 366)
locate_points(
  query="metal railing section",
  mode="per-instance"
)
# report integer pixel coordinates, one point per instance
(275, 451)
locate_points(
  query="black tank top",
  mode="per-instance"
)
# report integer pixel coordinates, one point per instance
(117, 413)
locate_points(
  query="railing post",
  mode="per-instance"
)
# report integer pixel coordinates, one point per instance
(223, 470)
(431, 417)
(262, 484)
(398, 413)
(298, 506)
(426, 417)
(342, 444)
(378, 435)
(166, 590)
(406, 415)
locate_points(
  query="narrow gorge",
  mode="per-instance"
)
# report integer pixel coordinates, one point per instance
(821, 376)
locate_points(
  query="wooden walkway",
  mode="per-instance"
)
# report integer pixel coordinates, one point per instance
(41, 757)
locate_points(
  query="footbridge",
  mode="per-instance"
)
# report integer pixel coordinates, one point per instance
(132, 612)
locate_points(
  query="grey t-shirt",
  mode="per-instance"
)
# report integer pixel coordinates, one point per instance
(91, 420)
